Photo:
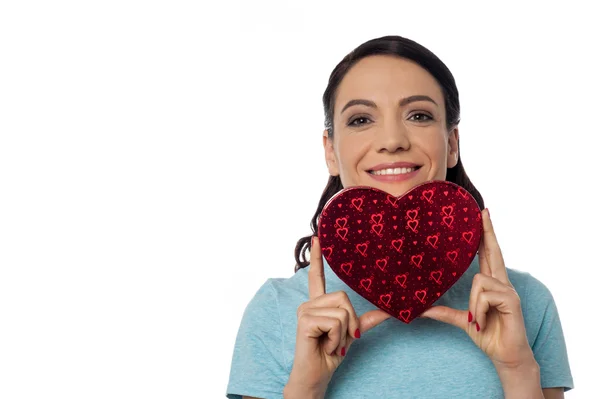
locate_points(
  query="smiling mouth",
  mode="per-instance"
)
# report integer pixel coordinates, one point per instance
(393, 171)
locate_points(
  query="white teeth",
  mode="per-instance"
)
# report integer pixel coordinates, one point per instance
(396, 171)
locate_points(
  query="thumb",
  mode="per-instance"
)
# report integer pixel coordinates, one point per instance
(457, 318)
(371, 319)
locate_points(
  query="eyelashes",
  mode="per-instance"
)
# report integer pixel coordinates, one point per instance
(422, 117)
(429, 118)
(352, 124)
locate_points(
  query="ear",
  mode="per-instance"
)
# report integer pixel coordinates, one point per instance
(452, 148)
(332, 165)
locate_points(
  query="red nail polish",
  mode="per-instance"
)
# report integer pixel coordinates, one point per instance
(357, 333)
(477, 326)
(343, 351)
(470, 317)
(312, 241)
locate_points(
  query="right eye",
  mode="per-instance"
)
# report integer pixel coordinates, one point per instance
(360, 118)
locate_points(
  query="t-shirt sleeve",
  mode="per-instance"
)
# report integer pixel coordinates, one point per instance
(258, 368)
(546, 338)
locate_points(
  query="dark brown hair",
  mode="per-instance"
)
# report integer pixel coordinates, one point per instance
(405, 48)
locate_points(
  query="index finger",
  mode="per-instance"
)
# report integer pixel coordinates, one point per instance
(316, 275)
(492, 250)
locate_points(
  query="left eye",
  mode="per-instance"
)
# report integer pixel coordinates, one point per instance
(420, 117)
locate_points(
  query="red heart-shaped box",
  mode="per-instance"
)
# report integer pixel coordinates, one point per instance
(401, 253)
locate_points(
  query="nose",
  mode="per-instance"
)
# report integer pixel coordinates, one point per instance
(392, 137)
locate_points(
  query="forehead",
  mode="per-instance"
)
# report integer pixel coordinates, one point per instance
(384, 78)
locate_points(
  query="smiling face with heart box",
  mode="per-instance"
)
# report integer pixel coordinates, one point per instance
(390, 131)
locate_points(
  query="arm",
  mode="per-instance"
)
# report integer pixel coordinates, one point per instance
(551, 369)
(258, 367)
(554, 393)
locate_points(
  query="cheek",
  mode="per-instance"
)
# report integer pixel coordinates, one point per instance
(434, 147)
(350, 152)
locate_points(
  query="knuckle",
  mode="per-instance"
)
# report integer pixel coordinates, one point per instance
(305, 321)
(341, 296)
(344, 316)
(300, 310)
(515, 296)
(302, 318)
(338, 326)
(483, 296)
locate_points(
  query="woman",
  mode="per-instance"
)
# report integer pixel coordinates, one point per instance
(391, 118)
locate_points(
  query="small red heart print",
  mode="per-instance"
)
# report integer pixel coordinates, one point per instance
(376, 218)
(428, 194)
(357, 203)
(397, 244)
(436, 275)
(346, 267)
(412, 214)
(401, 279)
(468, 236)
(405, 316)
(412, 224)
(385, 299)
(377, 228)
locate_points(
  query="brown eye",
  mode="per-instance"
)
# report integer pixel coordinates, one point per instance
(420, 117)
(360, 120)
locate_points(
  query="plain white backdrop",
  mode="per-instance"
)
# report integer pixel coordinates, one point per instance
(159, 160)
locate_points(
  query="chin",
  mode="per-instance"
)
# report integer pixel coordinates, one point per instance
(399, 191)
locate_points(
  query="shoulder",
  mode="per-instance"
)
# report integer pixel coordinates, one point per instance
(537, 302)
(536, 298)
(544, 330)
(535, 295)
(277, 293)
(527, 285)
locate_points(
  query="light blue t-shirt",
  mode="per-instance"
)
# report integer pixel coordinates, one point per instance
(424, 359)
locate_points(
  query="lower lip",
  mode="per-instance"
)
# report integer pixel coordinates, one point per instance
(395, 178)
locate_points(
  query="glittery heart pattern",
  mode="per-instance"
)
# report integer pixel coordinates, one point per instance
(401, 253)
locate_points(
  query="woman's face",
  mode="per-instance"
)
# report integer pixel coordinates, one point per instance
(389, 127)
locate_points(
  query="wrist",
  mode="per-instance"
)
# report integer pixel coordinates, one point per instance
(297, 387)
(521, 380)
(299, 391)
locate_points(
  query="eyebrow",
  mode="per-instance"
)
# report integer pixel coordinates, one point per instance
(403, 103)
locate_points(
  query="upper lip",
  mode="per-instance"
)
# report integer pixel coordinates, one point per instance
(394, 165)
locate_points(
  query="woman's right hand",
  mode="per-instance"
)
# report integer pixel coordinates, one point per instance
(327, 326)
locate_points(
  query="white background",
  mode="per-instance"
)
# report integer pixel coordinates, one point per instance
(159, 160)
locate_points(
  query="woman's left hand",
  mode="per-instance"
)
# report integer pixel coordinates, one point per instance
(494, 319)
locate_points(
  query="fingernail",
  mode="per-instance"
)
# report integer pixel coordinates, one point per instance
(470, 317)
(343, 351)
(357, 333)
(312, 241)
(477, 326)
